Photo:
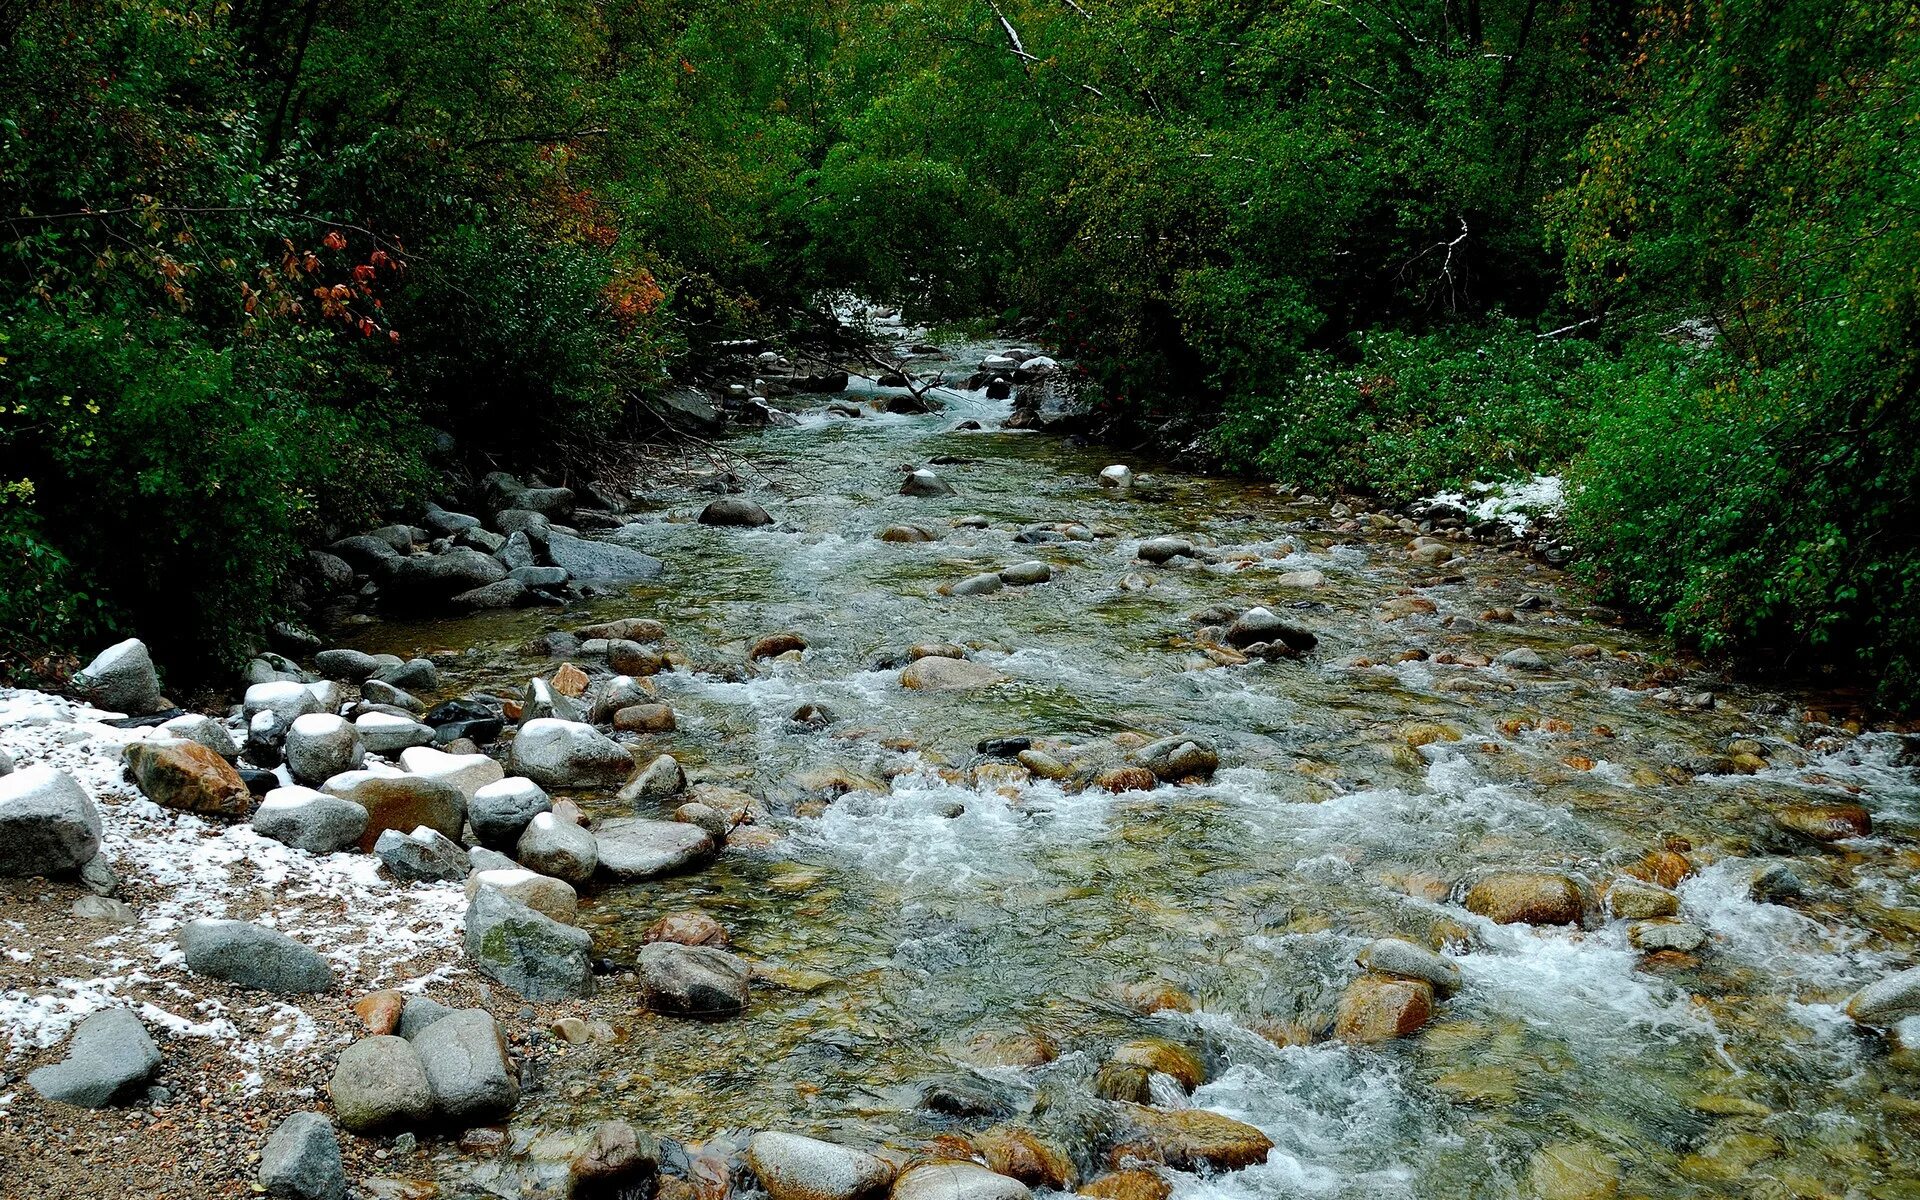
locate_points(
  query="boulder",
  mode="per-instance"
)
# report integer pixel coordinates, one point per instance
(1026, 574)
(559, 754)
(1194, 1139)
(601, 562)
(526, 951)
(351, 666)
(385, 733)
(309, 820)
(984, 584)
(253, 956)
(465, 1059)
(957, 1181)
(380, 1083)
(1394, 956)
(692, 981)
(417, 1013)
(1527, 897)
(424, 579)
(1886, 1002)
(1183, 756)
(1638, 900)
(468, 772)
(557, 848)
(109, 1058)
(1164, 549)
(633, 848)
(48, 823)
(301, 1160)
(736, 511)
(1117, 476)
(658, 780)
(500, 811)
(506, 593)
(1825, 822)
(1166, 1057)
(645, 718)
(542, 701)
(423, 856)
(1522, 658)
(542, 893)
(320, 746)
(1378, 1008)
(1652, 937)
(948, 675)
(187, 776)
(906, 534)
(1261, 625)
(792, 1167)
(400, 802)
(922, 482)
(285, 699)
(775, 644)
(122, 679)
(195, 727)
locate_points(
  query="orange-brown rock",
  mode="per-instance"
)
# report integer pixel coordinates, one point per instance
(1526, 897)
(570, 680)
(188, 776)
(1126, 779)
(1826, 822)
(1011, 1049)
(1129, 1185)
(1189, 1139)
(645, 718)
(1664, 867)
(688, 929)
(1020, 1153)
(379, 1011)
(1166, 1057)
(776, 644)
(1153, 995)
(1379, 1008)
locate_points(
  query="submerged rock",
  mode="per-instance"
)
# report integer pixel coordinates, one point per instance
(933, 674)
(692, 981)
(1886, 1002)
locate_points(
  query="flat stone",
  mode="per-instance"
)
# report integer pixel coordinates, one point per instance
(253, 956)
(109, 1057)
(633, 848)
(792, 1167)
(601, 562)
(309, 820)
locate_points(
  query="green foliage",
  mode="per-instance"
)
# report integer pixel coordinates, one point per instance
(1409, 416)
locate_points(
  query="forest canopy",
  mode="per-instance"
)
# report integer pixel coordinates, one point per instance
(274, 266)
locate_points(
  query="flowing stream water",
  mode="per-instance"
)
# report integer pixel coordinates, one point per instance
(918, 913)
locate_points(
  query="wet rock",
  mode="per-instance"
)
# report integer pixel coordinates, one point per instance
(906, 534)
(465, 1060)
(970, 1095)
(791, 1167)
(601, 562)
(301, 1161)
(922, 482)
(468, 772)
(1026, 574)
(734, 511)
(414, 674)
(400, 802)
(375, 692)
(633, 848)
(1825, 822)
(1638, 900)
(1378, 1008)
(1028, 1156)
(1164, 549)
(1886, 1002)
(705, 817)
(658, 780)
(645, 718)
(1183, 756)
(309, 820)
(1652, 937)
(1129, 1185)
(526, 951)
(1777, 883)
(1195, 1139)
(501, 811)
(1261, 625)
(187, 776)
(194, 727)
(692, 981)
(109, 1057)
(542, 701)
(1527, 897)
(1123, 1081)
(1166, 1057)
(775, 644)
(1116, 476)
(948, 675)
(1569, 1171)
(617, 1152)
(1126, 779)
(385, 733)
(426, 579)
(1522, 658)
(422, 856)
(1394, 956)
(379, 1083)
(687, 929)
(544, 894)
(48, 823)
(983, 584)
(957, 1181)
(631, 658)
(122, 679)
(1301, 579)
(627, 629)
(253, 956)
(320, 746)
(558, 848)
(560, 754)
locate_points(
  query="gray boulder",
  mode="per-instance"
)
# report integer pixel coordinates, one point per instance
(1182, 756)
(353, 666)
(1026, 574)
(121, 678)
(48, 823)
(385, 733)
(423, 856)
(447, 524)
(692, 981)
(517, 552)
(1886, 1002)
(253, 956)
(736, 511)
(309, 820)
(465, 1057)
(658, 780)
(532, 954)
(507, 593)
(109, 1057)
(792, 1167)
(559, 754)
(418, 1013)
(500, 811)
(379, 1083)
(923, 482)
(413, 674)
(195, 727)
(601, 562)
(1393, 956)
(319, 746)
(434, 577)
(540, 700)
(633, 848)
(286, 700)
(558, 848)
(983, 584)
(1164, 549)
(1261, 625)
(301, 1160)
